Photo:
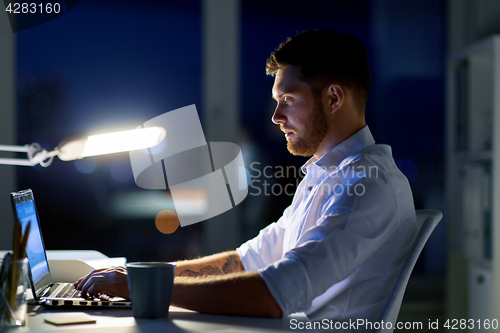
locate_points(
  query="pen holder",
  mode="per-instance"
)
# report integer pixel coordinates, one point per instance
(13, 305)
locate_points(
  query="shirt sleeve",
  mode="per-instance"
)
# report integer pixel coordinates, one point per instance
(264, 249)
(349, 230)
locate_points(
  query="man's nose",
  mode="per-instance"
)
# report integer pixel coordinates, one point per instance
(278, 116)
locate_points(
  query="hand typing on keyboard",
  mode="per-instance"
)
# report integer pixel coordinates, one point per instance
(69, 291)
(102, 282)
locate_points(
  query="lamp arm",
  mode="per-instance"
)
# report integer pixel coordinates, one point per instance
(35, 155)
(93, 145)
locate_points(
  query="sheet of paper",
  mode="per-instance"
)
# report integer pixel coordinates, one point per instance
(73, 319)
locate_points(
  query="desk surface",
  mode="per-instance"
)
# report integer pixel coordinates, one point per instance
(179, 320)
(110, 320)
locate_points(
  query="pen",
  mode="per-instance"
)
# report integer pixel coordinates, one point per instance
(24, 241)
(18, 252)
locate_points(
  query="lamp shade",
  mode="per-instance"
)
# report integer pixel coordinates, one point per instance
(109, 143)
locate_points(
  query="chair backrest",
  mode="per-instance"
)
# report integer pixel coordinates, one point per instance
(427, 220)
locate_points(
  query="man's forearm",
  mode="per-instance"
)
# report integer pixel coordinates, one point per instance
(217, 264)
(243, 293)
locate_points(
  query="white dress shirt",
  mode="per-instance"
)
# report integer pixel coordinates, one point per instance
(336, 251)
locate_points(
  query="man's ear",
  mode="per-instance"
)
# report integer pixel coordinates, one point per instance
(334, 97)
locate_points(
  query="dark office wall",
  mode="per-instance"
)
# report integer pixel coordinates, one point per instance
(7, 128)
(103, 65)
(407, 103)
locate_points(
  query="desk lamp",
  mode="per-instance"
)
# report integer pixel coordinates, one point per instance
(93, 145)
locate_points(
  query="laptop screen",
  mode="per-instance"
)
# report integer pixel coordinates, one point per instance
(35, 250)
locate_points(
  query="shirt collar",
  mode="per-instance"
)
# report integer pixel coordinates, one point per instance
(359, 140)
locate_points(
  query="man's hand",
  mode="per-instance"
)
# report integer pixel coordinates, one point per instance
(110, 281)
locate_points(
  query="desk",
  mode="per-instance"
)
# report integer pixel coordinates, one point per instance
(180, 320)
(110, 320)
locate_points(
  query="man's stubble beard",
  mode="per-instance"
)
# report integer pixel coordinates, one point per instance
(313, 134)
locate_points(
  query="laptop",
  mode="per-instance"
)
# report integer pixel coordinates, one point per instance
(45, 290)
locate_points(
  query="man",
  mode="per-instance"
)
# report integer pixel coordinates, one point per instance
(339, 246)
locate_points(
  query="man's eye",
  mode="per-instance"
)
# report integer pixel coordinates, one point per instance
(288, 100)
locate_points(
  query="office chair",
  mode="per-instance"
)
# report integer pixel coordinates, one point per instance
(427, 220)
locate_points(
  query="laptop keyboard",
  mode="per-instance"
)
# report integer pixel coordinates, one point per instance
(68, 291)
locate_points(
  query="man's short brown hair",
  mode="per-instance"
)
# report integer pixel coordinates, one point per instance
(326, 57)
